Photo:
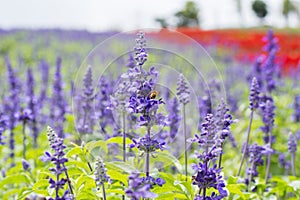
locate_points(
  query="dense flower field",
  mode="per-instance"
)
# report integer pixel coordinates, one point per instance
(147, 116)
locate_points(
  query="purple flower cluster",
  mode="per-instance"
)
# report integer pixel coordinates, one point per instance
(183, 90)
(267, 106)
(3, 127)
(147, 144)
(266, 69)
(100, 173)
(58, 102)
(12, 107)
(139, 187)
(256, 154)
(211, 142)
(284, 163)
(209, 178)
(140, 51)
(296, 115)
(32, 107)
(292, 143)
(85, 121)
(59, 161)
(103, 108)
(173, 117)
(254, 94)
(223, 121)
(270, 66)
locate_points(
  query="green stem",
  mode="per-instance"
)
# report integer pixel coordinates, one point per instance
(268, 157)
(24, 139)
(124, 142)
(103, 191)
(220, 157)
(247, 143)
(185, 144)
(250, 176)
(124, 137)
(69, 181)
(147, 164)
(293, 164)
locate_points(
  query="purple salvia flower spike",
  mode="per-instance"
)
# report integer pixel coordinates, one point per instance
(292, 147)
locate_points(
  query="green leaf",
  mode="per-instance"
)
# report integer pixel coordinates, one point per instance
(94, 144)
(171, 195)
(118, 140)
(235, 189)
(86, 195)
(168, 159)
(115, 175)
(78, 164)
(84, 182)
(120, 166)
(25, 194)
(74, 151)
(42, 183)
(115, 191)
(15, 179)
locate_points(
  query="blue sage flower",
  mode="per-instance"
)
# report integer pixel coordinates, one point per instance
(59, 160)
(183, 90)
(254, 94)
(100, 173)
(139, 187)
(296, 115)
(58, 102)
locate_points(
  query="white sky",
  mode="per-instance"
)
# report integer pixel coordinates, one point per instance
(99, 15)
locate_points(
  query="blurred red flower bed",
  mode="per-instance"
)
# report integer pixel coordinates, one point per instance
(245, 44)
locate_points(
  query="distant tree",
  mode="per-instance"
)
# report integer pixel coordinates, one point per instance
(188, 16)
(240, 10)
(287, 9)
(260, 9)
(163, 22)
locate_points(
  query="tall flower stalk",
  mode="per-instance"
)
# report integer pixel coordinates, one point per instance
(85, 115)
(292, 147)
(253, 105)
(256, 153)
(184, 98)
(58, 104)
(59, 160)
(12, 107)
(268, 119)
(32, 107)
(24, 116)
(101, 176)
(207, 173)
(223, 121)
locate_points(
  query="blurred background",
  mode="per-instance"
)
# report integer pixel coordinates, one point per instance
(94, 15)
(237, 25)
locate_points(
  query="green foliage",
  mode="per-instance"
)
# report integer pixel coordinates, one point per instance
(188, 16)
(260, 8)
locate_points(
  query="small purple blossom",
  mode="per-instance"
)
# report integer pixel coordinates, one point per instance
(256, 154)
(139, 187)
(254, 94)
(85, 119)
(173, 117)
(25, 164)
(100, 173)
(296, 115)
(58, 102)
(183, 90)
(267, 106)
(292, 143)
(3, 126)
(146, 144)
(59, 160)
